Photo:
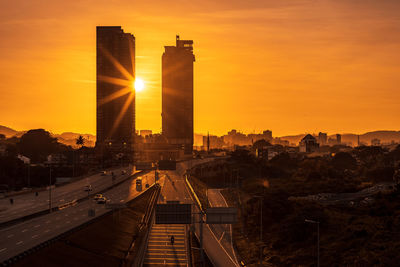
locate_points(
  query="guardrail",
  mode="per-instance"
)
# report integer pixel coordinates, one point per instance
(194, 194)
(137, 251)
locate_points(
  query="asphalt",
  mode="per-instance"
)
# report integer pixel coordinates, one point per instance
(223, 232)
(23, 236)
(175, 189)
(160, 251)
(29, 203)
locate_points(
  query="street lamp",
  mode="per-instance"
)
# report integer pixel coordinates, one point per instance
(50, 161)
(317, 223)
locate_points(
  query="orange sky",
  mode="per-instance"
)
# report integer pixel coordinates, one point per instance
(289, 66)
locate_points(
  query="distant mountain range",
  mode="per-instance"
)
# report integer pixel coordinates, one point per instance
(67, 138)
(384, 136)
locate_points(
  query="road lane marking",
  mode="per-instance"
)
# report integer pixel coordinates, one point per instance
(20, 242)
(36, 226)
(34, 236)
(23, 231)
(10, 236)
(68, 221)
(47, 221)
(47, 231)
(1, 250)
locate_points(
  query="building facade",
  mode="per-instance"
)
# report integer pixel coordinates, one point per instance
(177, 94)
(115, 74)
(322, 139)
(308, 144)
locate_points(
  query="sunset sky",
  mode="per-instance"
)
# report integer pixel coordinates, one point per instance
(289, 66)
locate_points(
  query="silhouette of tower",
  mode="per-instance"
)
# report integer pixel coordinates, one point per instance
(177, 94)
(115, 58)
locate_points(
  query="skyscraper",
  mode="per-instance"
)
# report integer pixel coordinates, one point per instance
(115, 74)
(177, 94)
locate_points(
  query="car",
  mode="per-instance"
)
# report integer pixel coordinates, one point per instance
(123, 172)
(97, 196)
(102, 200)
(88, 188)
(103, 173)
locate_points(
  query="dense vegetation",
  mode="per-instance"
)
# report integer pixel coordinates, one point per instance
(36, 145)
(362, 235)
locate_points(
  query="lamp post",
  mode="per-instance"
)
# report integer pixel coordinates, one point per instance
(50, 160)
(317, 223)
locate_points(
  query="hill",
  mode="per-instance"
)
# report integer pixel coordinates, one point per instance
(384, 136)
(8, 132)
(67, 138)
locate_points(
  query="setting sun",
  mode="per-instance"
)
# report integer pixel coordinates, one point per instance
(139, 85)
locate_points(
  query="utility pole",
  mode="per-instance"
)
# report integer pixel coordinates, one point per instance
(201, 240)
(50, 189)
(29, 174)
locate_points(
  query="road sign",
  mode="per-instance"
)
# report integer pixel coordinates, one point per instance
(221, 215)
(167, 165)
(173, 213)
(144, 165)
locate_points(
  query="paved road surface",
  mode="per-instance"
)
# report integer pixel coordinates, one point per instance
(29, 203)
(179, 191)
(160, 252)
(22, 236)
(222, 231)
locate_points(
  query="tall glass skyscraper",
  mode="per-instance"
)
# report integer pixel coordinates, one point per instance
(115, 74)
(177, 94)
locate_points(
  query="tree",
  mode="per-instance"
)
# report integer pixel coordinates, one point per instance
(37, 145)
(344, 160)
(80, 141)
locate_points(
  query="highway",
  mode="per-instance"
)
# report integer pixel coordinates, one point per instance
(223, 232)
(29, 203)
(175, 188)
(17, 238)
(23, 236)
(160, 251)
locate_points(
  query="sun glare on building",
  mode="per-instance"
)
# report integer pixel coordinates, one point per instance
(139, 85)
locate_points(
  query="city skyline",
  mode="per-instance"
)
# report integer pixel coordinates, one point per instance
(315, 66)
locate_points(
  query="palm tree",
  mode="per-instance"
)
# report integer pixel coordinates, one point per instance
(80, 141)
